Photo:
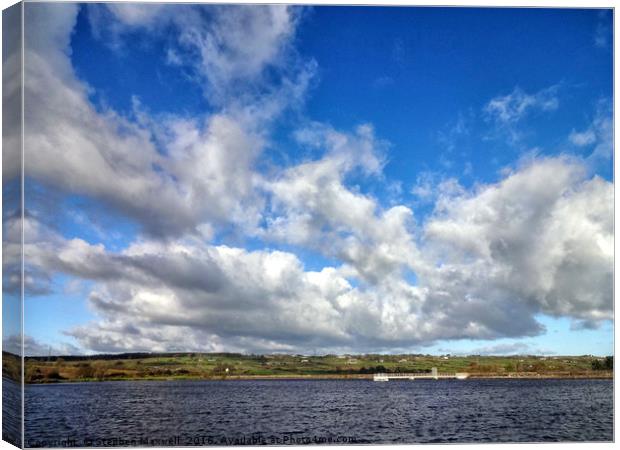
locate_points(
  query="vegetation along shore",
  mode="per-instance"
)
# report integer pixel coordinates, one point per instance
(218, 366)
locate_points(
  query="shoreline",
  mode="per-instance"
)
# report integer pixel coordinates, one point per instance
(367, 377)
(283, 367)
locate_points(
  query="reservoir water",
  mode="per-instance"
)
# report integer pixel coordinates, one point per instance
(141, 413)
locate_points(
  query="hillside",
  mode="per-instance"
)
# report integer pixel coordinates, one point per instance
(232, 366)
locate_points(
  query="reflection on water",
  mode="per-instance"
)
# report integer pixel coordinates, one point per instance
(318, 411)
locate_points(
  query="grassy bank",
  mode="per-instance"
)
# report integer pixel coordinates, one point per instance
(218, 366)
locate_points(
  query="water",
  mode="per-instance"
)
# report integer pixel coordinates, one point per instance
(318, 411)
(11, 412)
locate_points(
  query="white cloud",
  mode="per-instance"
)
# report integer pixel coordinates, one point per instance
(486, 262)
(510, 348)
(541, 239)
(136, 14)
(312, 206)
(240, 42)
(512, 107)
(599, 134)
(203, 175)
(162, 296)
(228, 46)
(603, 33)
(489, 260)
(434, 188)
(11, 95)
(507, 112)
(423, 189)
(582, 139)
(33, 347)
(68, 143)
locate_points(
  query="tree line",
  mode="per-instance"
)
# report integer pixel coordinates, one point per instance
(606, 364)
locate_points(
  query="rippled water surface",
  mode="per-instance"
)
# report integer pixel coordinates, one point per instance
(11, 412)
(318, 411)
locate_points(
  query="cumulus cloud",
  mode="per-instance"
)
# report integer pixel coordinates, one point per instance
(68, 143)
(312, 206)
(11, 95)
(481, 266)
(186, 291)
(488, 261)
(431, 187)
(240, 43)
(36, 278)
(228, 47)
(541, 239)
(136, 14)
(182, 174)
(33, 347)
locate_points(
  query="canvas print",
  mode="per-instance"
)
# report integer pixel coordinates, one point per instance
(232, 224)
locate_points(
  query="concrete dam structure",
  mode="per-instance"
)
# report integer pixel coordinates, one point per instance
(434, 375)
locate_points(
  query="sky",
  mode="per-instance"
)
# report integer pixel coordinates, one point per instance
(314, 180)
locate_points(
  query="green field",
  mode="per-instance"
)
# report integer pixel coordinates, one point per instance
(232, 366)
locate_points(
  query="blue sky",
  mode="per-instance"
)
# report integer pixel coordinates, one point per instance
(326, 179)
